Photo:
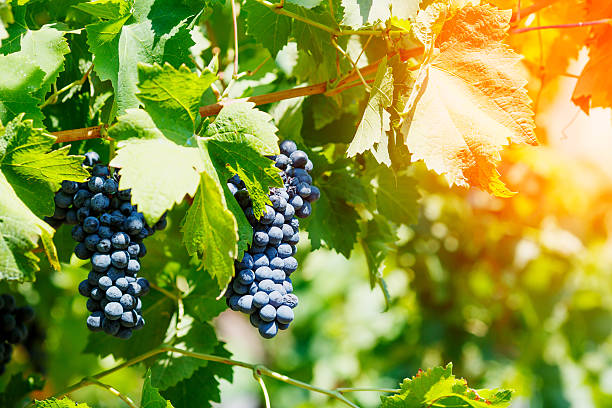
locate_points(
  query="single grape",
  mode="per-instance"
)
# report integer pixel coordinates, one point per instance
(268, 329)
(267, 313)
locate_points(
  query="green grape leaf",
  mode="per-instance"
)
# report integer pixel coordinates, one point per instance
(210, 229)
(245, 230)
(105, 9)
(29, 73)
(20, 231)
(236, 140)
(237, 157)
(159, 172)
(46, 49)
(118, 47)
(376, 243)
(172, 98)
(55, 403)
(32, 168)
(372, 130)
(241, 118)
(334, 219)
(203, 386)
(103, 40)
(170, 368)
(136, 123)
(200, 301)
(335, 223)
(289, 118)
(440, 387)
(270, 29)
(397, 197)
(157, 310)
(15, 31)
(150, 395)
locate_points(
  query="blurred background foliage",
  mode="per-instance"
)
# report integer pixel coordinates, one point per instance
(515, 292)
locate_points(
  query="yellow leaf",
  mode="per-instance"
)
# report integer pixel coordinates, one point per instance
(472, 102)
(594, 87)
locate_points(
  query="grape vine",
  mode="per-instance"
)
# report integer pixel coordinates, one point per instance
(185, 103)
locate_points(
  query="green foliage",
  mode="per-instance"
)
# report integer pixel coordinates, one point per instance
(119, 44)
(396, 197)
(32, 168)
(269, 28)
(151, 397)
(105, 9)
(29, 176)
(30, 72)
(172, 98)
(157, 188)
(210, 230)
(55, 403)
(376, 122)
(438, 386)
(203, 385)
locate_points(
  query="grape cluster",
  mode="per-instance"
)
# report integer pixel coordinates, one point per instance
(109, 231)
(13, 330)
(262, 285)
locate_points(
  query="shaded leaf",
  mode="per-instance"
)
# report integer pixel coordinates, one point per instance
(376, 245)
(397, 197)
(171, 368)
(150, 395)
(203, 386)
(267, 27)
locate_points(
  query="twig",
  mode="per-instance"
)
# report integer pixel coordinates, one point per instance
(167, 293)
(211, 110)
(368, 389)
(253, 72)
(235, 38)
(214, 109)
(53, 98)
(542, 71)
(195, 63)
(112, 390)
(259, 369)
(337, 90)
(348, 57)
(527, 11)
(73, 135)
(607, 21)
(264, 390)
